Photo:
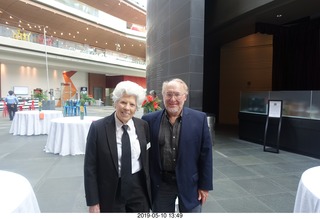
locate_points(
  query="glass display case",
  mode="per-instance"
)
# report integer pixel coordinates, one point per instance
(300, 129)
(301, 104)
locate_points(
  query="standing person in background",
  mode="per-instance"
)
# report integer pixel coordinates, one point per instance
(181, 153)
(104, 167)
(12, 104)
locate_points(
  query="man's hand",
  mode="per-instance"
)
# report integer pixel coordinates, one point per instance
(203, 195)
(94, 209)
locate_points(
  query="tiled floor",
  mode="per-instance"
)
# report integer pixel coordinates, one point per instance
(246, 179)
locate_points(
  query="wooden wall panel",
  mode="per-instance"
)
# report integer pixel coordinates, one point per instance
(246, 65)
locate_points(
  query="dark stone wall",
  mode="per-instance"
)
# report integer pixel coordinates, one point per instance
(175, 45)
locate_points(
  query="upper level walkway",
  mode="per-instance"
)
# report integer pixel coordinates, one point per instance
(32, 48)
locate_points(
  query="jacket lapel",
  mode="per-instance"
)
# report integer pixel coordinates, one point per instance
(141, 135)
(155, 135)
(110, 130)
(184, 132)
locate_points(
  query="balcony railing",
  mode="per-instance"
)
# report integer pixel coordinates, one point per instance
(19, 34)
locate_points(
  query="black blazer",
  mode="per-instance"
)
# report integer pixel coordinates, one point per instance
(101, 161)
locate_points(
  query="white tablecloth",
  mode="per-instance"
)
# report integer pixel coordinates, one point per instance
(68, 135)
(16, 194)
(27, 122)
(308, 194)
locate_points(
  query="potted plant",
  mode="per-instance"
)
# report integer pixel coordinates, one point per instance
(151, 104)
(41, 96)
(84, 98)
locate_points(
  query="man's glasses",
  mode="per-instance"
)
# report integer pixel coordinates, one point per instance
(177, 95)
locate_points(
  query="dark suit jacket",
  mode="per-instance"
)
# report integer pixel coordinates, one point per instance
(194, 168)
(101, 161)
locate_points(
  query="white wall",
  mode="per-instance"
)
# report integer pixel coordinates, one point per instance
(36, 77)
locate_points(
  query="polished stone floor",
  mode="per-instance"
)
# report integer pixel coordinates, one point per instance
(246, 179)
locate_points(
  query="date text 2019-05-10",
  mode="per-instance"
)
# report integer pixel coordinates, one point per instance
(159, 215)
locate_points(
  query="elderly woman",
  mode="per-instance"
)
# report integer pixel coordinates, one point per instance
(112, 182)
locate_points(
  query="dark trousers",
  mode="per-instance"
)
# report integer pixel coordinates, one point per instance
(135, 201)
(12, 109)
(166, 198)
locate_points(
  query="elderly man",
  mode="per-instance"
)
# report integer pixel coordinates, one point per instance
(181, 153)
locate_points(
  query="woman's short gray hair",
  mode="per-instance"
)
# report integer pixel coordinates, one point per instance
(129, 88)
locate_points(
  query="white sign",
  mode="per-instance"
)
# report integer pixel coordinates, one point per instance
(275, 108)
